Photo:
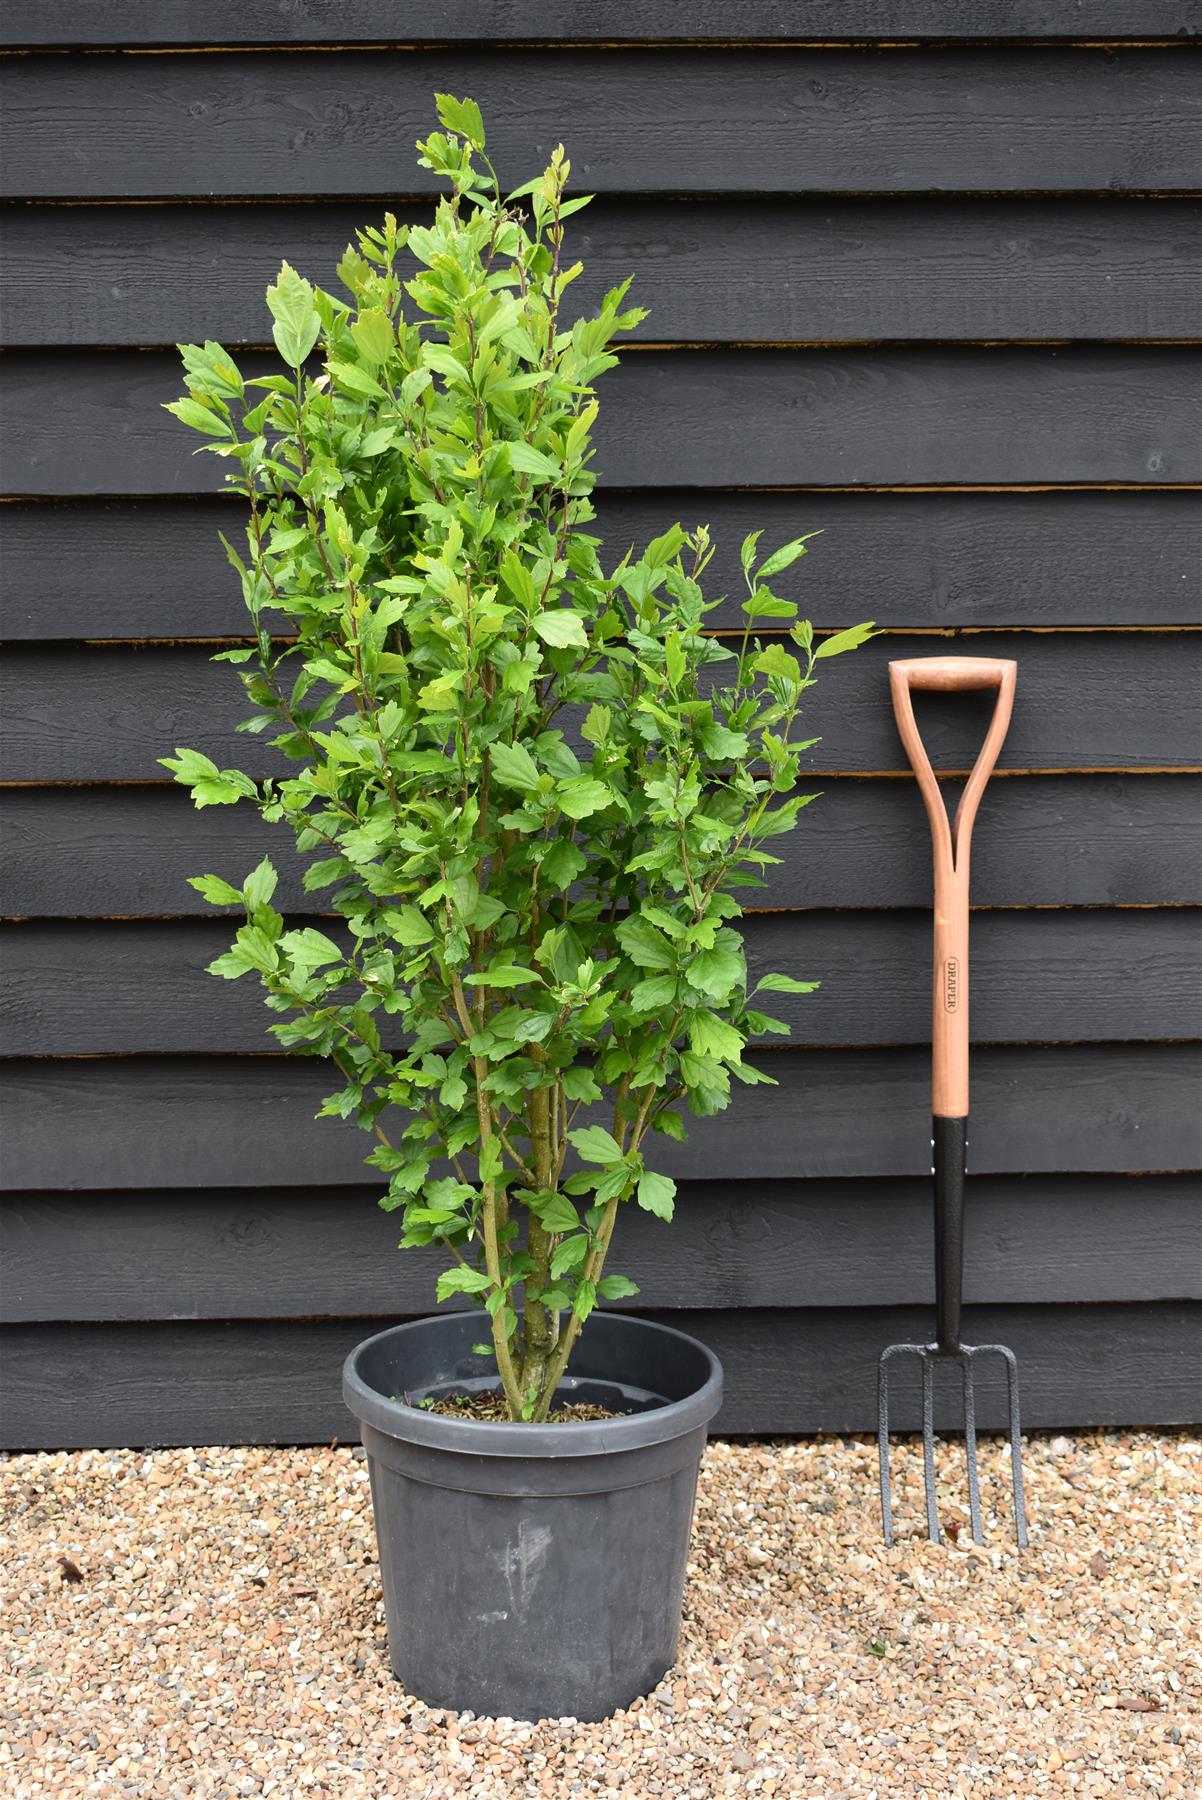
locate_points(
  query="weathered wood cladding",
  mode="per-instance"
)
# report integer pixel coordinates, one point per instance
(924, 278)
(934, 267)
(230, 1381)
(92, 423)
(143, 23)
(943, 560)
(776, 120)
(123, 987)
(107, 712)
(1044, 841)
(237, 1121)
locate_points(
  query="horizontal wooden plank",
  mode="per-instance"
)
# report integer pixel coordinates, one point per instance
(156, 568)
(280, 1253)
(798, 1371)
(935, 268)
(71, 23)
(76, 989)
(106, 713)
(779, 120)
(92, 422)
(1041, 841)
(198, 1122)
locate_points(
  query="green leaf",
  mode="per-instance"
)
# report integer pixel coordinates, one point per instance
(297, 322)
(596, 1145)
(595, 729)
(409, 926)
(461, 1280)
(585, 1300)
(579, 1084)
(555, 1211)
(846, 640)
(502, 975)
(563, 862)
(310, 949)
(785, 984)
(373, 334)
(654, 994)
(567, 1255)
(216, 891)
(582, 796)
(260, 885)
(747, 553)
(645, 945)
(462, 117)
(716, 972)
(513, 766)
(519, 581)
(775, 661)
(374, 444)
(229, 966)
(711, 1036)
(210, 785)
(656, 1194)
(763, 605)
(721, 743)
(785, 556)
(616, 1287)
(529, 461)
(350, 375)
(562, 630)
(191, 412)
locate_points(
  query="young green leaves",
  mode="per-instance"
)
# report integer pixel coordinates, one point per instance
(527, 792)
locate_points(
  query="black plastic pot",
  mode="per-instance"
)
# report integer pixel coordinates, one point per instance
(533, 1571)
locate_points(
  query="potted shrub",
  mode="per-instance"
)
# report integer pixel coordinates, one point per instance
(532, 790)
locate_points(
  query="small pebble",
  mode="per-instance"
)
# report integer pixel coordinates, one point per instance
(223, 1636)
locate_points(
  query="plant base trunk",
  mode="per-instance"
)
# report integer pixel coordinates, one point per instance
(534, 1571)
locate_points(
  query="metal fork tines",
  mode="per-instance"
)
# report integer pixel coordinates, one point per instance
(929, 1355)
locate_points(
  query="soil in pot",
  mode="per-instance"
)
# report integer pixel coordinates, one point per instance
(490, 1406)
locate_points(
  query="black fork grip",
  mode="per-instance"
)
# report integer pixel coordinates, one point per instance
(949, 1139)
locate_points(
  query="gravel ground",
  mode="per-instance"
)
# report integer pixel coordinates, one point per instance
(207, 1622)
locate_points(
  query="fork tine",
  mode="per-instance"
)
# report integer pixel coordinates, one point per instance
(928, 1444)
(1016, 1460)
(970, 1451)
(882, 1438)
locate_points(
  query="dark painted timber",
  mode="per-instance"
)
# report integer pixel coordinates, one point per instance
(247, 1253)
(230, 1121)
(107, 713)
(265, 22)
(934, 295)
(1042, 841)
(778, 120)
(235, 1382)
(156, 568)
(720, 271)
(87, 422)
(75, 989)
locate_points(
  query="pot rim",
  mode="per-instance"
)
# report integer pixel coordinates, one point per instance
(479, 1437)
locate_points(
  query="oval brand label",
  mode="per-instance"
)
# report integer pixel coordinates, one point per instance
(951, 984)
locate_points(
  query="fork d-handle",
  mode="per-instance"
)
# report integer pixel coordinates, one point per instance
(951, 844)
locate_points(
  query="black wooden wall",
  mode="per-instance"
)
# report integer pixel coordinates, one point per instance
(924, 275)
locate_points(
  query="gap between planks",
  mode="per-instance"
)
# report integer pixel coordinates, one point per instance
(810, 775)
(482, 41)
(799, 1046)
(230, 915)
(699, 197)
(192, 496)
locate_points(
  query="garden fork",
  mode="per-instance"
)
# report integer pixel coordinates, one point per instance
(949, 1083)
